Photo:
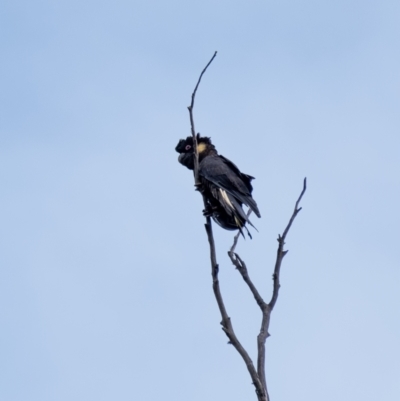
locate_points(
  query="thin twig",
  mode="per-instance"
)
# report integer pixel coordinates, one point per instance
(235, 241)
(236, 237)
(198, 82)
(241, 266)
(190, 108)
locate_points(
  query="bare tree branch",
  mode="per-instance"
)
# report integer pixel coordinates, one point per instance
(226, 321)
(262, 336)
(266, 309)
(281, 252)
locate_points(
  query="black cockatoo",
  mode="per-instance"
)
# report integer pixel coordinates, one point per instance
(223, 185)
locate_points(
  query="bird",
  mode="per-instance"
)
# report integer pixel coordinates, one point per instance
(223, 185)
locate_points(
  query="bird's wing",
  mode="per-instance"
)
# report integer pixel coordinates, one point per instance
(245, 177)
(221, 173)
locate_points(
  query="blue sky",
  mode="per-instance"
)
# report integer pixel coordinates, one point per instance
(105, 286)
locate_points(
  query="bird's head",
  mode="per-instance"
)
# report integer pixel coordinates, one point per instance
(185, 148)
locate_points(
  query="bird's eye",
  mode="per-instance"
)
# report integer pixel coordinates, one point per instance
(187, 147)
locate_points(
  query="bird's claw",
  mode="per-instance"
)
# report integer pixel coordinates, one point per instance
(208, 211)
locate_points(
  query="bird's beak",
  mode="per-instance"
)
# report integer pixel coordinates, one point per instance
(181, 156)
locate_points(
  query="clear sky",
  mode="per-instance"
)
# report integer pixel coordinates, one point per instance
(105, 285)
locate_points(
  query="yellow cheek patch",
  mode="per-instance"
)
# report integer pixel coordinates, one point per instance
(201, 147)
